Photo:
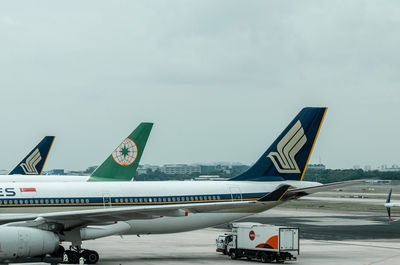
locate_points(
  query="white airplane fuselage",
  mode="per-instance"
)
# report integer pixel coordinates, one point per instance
(22, 198)
(43, 178)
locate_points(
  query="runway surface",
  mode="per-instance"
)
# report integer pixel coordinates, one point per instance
(326, 238)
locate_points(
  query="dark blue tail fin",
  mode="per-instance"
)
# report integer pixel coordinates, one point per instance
(287, 157)
(33, 163)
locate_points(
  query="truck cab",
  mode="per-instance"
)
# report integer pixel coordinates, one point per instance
(222, 242)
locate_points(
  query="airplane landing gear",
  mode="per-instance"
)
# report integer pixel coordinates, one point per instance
(74, 254)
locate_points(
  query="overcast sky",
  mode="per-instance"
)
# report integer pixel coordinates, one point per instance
(220, 79)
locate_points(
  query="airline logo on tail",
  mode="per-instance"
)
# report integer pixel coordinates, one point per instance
(30, 166)
(126, 153)
(287, 148)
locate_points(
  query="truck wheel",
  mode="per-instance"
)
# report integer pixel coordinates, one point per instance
(234, 255)
(265, 258)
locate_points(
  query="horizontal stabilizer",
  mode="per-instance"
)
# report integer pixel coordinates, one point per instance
(297, 193)
(276, 195)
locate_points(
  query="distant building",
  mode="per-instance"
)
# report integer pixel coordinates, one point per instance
(209, 177)
(183, 169)
(56, 172)
(316, 167)
(367, 168)
(385, 168)
(378, 182)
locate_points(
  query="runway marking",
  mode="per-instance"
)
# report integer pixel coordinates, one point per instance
(360, 245)
(385, 259)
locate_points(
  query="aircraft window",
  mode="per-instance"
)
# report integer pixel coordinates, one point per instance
(10, 202)
(31, 201)
(140, 199)
(5, 201)
(178, 199)
(191, 198)
(136, 200)
(41, 201)
(183, 199)
(130, 200)
(164, 199)
(126, 200)
(196, 198)
(214, 198)
(169, 199)
(201, 198)
(82, 201)
(1, 202)
(187, 199)
(26, 201)
(149, 199)
(66, 200)
(72, 201)
(210, 198)
(159, 200)
(116, 200)
(62, 200)
(21, 202)
(219, 197)
(52, 201)
(57, 201)
(87, 200)
(173, 199)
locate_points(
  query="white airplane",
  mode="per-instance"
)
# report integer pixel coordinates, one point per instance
(133, 145)
(36, 216)
(389, 205)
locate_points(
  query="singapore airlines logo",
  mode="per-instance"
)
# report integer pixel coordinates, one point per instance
(30, 166)
(287, 148)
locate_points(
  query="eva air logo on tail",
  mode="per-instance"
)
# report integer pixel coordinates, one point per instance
(29, 167)
(287, 148)
(126, 153)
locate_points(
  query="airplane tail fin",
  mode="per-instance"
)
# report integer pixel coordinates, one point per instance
(388, 208)
(121, 165)
(389, 196)
(34, 162)
(287, 157)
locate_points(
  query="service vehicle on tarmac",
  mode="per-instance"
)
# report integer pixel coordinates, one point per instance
(266, 243)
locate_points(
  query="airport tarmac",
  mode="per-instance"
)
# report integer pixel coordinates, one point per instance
(327, 237)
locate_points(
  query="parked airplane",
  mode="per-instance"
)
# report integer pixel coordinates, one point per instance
(36, 216)
(34, 162)
(389, 205)
(128, 154)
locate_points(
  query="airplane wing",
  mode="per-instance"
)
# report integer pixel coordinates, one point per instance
(297, 193)
(95, 216)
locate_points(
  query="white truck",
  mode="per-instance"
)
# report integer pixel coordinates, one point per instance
(266, 243)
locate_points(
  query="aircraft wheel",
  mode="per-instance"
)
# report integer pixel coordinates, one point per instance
(73, 257)
(91, 256)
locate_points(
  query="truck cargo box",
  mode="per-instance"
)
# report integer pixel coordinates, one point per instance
(261, 236)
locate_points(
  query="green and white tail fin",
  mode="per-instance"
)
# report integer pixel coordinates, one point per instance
(121, 165)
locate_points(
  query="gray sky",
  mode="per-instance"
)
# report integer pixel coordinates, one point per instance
(220, 79)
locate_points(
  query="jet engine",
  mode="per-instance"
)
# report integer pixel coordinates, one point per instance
(24, 242)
